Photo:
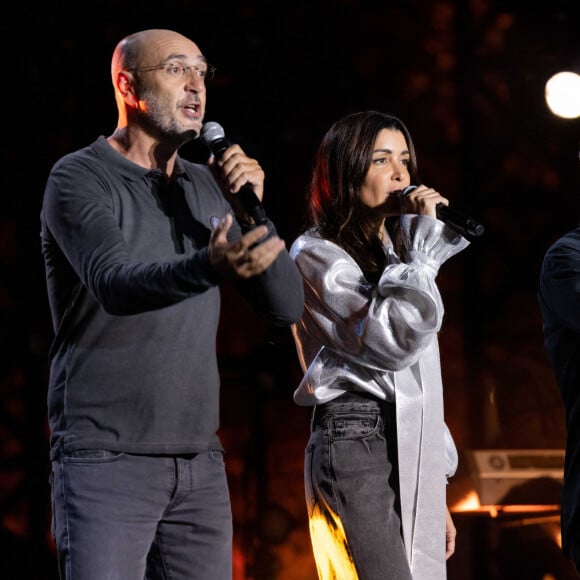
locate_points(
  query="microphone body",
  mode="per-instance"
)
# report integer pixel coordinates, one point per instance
(213, 136)
(458, 220)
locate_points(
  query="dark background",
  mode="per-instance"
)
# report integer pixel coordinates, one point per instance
(468, 80)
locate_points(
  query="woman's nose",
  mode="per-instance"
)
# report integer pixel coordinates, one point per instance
(397, 172)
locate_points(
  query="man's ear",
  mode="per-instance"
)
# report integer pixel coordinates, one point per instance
(124, 83)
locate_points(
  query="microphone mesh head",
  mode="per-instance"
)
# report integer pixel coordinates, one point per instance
(210, 132)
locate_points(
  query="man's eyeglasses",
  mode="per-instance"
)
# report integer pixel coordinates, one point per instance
(174, 70)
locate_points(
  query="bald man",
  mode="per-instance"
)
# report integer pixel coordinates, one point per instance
(136, 242)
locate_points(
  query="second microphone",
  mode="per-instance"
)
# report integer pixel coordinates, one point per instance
(459, 221)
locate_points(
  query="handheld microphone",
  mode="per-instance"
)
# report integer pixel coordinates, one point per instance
(459, 221)
(213, 136)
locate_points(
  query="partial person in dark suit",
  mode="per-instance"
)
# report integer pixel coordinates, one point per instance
(559, 297)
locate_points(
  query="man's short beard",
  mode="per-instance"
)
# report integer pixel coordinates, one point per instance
(155, 120)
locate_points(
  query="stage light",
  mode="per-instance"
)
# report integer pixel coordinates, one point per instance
(562, 94)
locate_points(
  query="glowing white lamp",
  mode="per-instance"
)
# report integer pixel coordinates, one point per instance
(562, 94)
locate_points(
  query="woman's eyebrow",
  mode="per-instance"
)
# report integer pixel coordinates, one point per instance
(405, 152)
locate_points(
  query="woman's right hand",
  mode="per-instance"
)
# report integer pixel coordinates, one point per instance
(423, 200)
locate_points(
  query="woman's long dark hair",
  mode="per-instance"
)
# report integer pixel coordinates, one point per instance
(341, 164)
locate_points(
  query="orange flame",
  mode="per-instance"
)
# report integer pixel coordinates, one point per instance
(469, 502)
(331, 554)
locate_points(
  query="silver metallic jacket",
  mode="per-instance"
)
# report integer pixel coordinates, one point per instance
(382, 339)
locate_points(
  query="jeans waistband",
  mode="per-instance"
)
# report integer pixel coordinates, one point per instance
(349, 402)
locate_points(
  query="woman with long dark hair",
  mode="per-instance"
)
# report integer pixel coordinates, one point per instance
(380, 453)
